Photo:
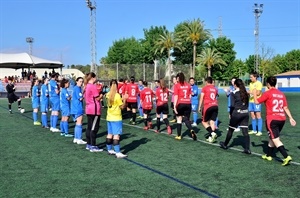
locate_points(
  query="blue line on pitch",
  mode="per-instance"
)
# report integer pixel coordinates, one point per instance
(173, 178)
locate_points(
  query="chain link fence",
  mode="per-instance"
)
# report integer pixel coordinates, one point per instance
(146, 72)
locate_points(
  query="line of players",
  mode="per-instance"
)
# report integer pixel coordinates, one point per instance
(185, 101)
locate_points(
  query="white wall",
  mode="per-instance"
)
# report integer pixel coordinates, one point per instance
(288, 82)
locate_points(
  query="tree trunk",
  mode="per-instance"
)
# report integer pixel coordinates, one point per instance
(209, 71)
(194, 59)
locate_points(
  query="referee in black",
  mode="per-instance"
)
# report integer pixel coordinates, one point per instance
(239, 115)
(11, 96)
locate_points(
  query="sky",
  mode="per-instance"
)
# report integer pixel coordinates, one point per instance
(61, 28)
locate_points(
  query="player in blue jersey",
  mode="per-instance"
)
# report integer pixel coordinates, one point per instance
(77, 110)
(54, 100)
(65, 98)
(194, 100)
(141, 87)
(44, 102)
(35, 98)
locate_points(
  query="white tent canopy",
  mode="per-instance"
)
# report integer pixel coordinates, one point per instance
(25, 60)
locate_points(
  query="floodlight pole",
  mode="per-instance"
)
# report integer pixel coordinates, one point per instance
(92, 7)
(30, 41)
(257, 10)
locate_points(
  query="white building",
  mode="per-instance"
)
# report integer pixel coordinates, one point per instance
(289, 81)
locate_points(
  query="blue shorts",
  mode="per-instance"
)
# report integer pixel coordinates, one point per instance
(195, 106)
(75, 116)
(64, 112)
(114, 127)
(35, 105)
(254, 107)
(55, 104)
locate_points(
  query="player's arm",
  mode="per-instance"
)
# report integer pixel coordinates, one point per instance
(254, 93)
(200, 102)
(288, 113)
(124, 98)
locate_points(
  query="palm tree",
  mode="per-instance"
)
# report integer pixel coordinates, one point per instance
(168, 41)
(209, 57)
(194, 31)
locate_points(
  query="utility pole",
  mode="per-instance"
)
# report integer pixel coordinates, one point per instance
(220, 32)
(92, 7)
(30, 41)
(257, 10)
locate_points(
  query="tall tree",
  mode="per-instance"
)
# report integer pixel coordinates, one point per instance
(151, 35)
(293, 60)
(210, 57)
(225, 48)
(194, 32)
(125, 51)
(166, 42)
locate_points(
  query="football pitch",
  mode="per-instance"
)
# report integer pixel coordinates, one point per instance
(38, 163)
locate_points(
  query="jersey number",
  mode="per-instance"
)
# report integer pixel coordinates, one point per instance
(213, 96)
(132, 92)
(148, 98)
(277, 106)
(164, 97)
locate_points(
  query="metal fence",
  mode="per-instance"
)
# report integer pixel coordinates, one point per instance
(140, 71)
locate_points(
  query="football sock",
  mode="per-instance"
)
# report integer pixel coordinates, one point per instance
(282, 151)
(54, 121)
(61, 125)
(66, 127)
(270, 151)
(35, 116)
(133, 117)
(187, 123)
(254, 124)
(179, 125)
(145, 122)
(228, 136)
(259, 124)
(166, 121)
(247, 138)
(116, 146)
(9, 107)
(109, 144)
(195, 117)
(19, 103)
(141, 112)
(51, 121)
(217, 122)
(209, 129)
(44, 119)
(158, 123)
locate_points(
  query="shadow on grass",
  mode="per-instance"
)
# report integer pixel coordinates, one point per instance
(238, 140)
(264, 146)
(134, 144)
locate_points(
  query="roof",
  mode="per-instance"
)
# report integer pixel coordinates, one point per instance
(290, 73)
(24, 60)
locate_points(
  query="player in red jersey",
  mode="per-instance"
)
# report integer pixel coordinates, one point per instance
(182, 105)
(276, 108)
(132, 91)
(208, 99)
(121, 86)
(162, 99)
(146, 103)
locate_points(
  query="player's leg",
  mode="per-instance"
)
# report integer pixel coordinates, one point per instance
(109, 139)
(117, 128)
(259, 119)
(195, 113)
(253, 118)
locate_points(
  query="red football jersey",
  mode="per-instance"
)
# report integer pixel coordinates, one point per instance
(161, 96)
(210, 96)
(183, 92)
(132, 90)
(121, 87)
(146, 98)
(274, 100)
